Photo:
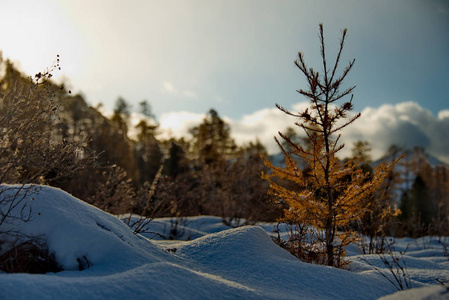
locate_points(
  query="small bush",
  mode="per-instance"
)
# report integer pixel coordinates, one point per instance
(29, 257)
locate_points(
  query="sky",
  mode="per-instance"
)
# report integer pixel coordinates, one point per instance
(185, 57)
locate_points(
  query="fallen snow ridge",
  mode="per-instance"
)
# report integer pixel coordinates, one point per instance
(240, 263)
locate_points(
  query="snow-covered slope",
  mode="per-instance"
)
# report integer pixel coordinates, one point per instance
(425, 293)
(409, 154)
(240, 263)
(75, 230)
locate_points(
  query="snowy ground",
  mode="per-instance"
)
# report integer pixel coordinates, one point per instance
(217, 262)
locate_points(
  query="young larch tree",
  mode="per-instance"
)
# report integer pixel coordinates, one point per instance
(328, 194)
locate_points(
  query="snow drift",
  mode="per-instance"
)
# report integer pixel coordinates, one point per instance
(229, 264)
(75, 230)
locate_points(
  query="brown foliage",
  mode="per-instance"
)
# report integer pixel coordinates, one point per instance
(32, 150)
(115, 194)
(329, 194)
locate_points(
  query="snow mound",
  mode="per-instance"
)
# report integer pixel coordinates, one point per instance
(78, 234)
(182, 228)
(247, 255)
(249, 243)
(241, 263)
(424, 293)
(423, 260)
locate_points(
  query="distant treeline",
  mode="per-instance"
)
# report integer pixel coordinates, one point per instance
(50, 136)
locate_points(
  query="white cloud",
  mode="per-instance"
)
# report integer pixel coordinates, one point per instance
(177, 124)
(190, 94)
(263, 125)
(169, 87)
(444, 114)
(406, 124)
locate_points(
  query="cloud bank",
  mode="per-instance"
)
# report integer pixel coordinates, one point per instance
(405, 124)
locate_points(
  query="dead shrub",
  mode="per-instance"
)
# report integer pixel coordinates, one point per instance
(29, 257)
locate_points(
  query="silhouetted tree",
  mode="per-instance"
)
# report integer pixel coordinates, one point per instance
(146, 110)
(417, 209)
(361, 150)
(212, 141)
(121, 115)
(176, 162)
(147, 151)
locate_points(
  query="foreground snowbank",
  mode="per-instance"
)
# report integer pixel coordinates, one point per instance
(76, 231)
(425, 293)
(229, 264)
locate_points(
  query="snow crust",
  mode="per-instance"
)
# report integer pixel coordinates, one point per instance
(219, 263)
